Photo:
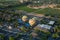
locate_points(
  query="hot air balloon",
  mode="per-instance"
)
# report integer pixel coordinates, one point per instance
(32, 22)
(24, 18)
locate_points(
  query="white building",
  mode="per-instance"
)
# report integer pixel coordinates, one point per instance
(51, 22)
(43, 27)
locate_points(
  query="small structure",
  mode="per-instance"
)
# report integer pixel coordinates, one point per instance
(20, 21)
(9, 27)
(23, 1)
(27, 24)
(51, 22)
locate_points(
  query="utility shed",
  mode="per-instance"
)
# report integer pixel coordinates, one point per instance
(51, 22)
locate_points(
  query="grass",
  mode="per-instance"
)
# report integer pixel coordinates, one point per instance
(49, 11)
(25, 8)
(46, 11)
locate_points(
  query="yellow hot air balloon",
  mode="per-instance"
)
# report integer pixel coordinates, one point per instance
(24, 18)
(32, 22)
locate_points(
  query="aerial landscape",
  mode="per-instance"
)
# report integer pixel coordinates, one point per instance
(29, 19)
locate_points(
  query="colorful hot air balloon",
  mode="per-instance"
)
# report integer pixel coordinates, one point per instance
(32, 22)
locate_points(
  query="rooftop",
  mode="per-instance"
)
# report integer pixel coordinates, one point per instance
(51, 22)
(44, 26)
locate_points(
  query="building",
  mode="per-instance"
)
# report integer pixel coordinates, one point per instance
(36, 4)
(7, 0)
(23, 1)
(45, 1)
(51, 22)
(43, 27)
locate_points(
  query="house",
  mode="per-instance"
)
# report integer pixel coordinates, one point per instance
(27, 24)
(20, 21)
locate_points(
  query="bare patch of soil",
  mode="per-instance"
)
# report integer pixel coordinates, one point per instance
(43, 6)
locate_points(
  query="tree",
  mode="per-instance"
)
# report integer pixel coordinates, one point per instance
(23, 29)
(11, 38)
(18, 35)
(30, 36)
(55, 35)
(2, 36)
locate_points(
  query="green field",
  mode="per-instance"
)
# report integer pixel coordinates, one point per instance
(49, 11)
(25, 8)
(46, 11)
